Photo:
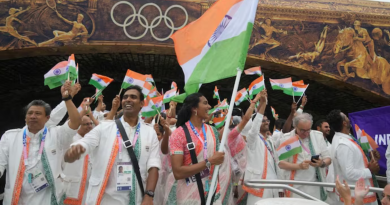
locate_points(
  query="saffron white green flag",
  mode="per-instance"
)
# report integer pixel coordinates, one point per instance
(256, 86)
(133, 78)
(289, 148)
(297, 89)
(57, 75)
(100, 81)
(241, 96)
(223, 105)
(214, 46)
(281, 84)
(148, 110)
(220, 120)
(169, 95)
(253, 71)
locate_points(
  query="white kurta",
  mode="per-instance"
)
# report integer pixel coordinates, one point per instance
(320, 148)
(256, 157)
(348, 162)
(57, 141)
(74, 174)
(99, 144)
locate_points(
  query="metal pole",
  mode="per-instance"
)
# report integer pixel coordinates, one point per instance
(224, 136)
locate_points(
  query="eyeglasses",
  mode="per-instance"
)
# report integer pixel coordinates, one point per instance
(304, 131)
(87, 124)
(266, 121)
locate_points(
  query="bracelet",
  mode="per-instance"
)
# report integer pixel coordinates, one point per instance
(301, 106)
(323, 164)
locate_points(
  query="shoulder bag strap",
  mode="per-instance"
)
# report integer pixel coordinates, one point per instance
(134, 161)
(191, 148)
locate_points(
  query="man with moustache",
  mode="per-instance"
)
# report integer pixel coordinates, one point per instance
(108, 151)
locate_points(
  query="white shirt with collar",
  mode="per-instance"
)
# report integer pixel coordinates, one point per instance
(320, 148)
(99, 144)
(58, 139)
(348, 162)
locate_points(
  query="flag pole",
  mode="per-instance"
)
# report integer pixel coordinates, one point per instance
(120, 92)
(303, 93)
(293, 94)
(224, 136)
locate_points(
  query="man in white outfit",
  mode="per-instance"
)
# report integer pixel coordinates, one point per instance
(349, 161)
(107, 152)
(262, 162)
(33, 155)
(299, 166)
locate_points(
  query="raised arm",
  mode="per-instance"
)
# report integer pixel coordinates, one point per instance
(172, 109)
(247, 116)
(74, 116)
(254, 131)
(165, 138)
(288, 124)
(64, 19)
(114, 108)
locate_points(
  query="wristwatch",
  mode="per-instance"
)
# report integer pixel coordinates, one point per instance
(208, 164)
(67, 98)
(323, 164)
(149, 193)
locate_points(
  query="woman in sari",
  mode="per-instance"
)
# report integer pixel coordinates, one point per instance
(206, 140)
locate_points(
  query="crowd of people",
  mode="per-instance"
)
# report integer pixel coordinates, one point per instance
(117, 157)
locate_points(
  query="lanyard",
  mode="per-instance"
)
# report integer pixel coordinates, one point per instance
(205, 139)
(119, 138)
(25, 154)
(266, 145)
(304, 147)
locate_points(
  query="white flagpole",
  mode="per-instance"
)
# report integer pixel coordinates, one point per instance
(293, 94)
(303, 93)
(224, 136)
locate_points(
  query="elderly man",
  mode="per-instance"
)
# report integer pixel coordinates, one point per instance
(33, 155)
(262, 162)
(349, 161)
(301, 166)
(108, 151)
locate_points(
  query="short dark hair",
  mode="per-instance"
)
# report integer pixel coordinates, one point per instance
(40, 103)
(335, 120)
(139, 89)
(279, 123)
(319, 123)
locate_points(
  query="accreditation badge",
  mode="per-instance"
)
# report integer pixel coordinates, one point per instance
(124, 175)
(37, 179)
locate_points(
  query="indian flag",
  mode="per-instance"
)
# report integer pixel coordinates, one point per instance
(100, 81)
(289, 148)
(366, 141)
(153, 92)
(133, 78)
(219, 121)
(147, 88)
(157, 103)
(241, 96)
(253, 71)
(148, 110)
(72, 67)
(256, 86)
(173, 85)
(281, 84)
(169, 95)
(214, 46)
(300, 82)
(56, 75)
(297, 89)
(149, 78)
(216, 94)
(223, 105)
(273, 112)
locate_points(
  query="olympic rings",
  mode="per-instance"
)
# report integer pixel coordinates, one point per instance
(144, 22)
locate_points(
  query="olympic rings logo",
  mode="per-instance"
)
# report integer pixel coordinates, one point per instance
(144, 22)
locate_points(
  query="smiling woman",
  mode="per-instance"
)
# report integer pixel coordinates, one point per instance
(193, 148)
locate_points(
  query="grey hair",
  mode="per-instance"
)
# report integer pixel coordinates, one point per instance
(304, 117)
(40, 103)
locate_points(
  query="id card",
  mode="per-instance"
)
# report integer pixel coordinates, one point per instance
(37, 179)
(203, 174)
(124, 178)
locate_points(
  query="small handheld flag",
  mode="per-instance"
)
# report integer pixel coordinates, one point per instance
(289, 148)
(256, 86)
(216, 94)
(100, 81)
(253, 71)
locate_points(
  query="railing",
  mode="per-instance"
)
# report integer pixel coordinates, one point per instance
(284, 184)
